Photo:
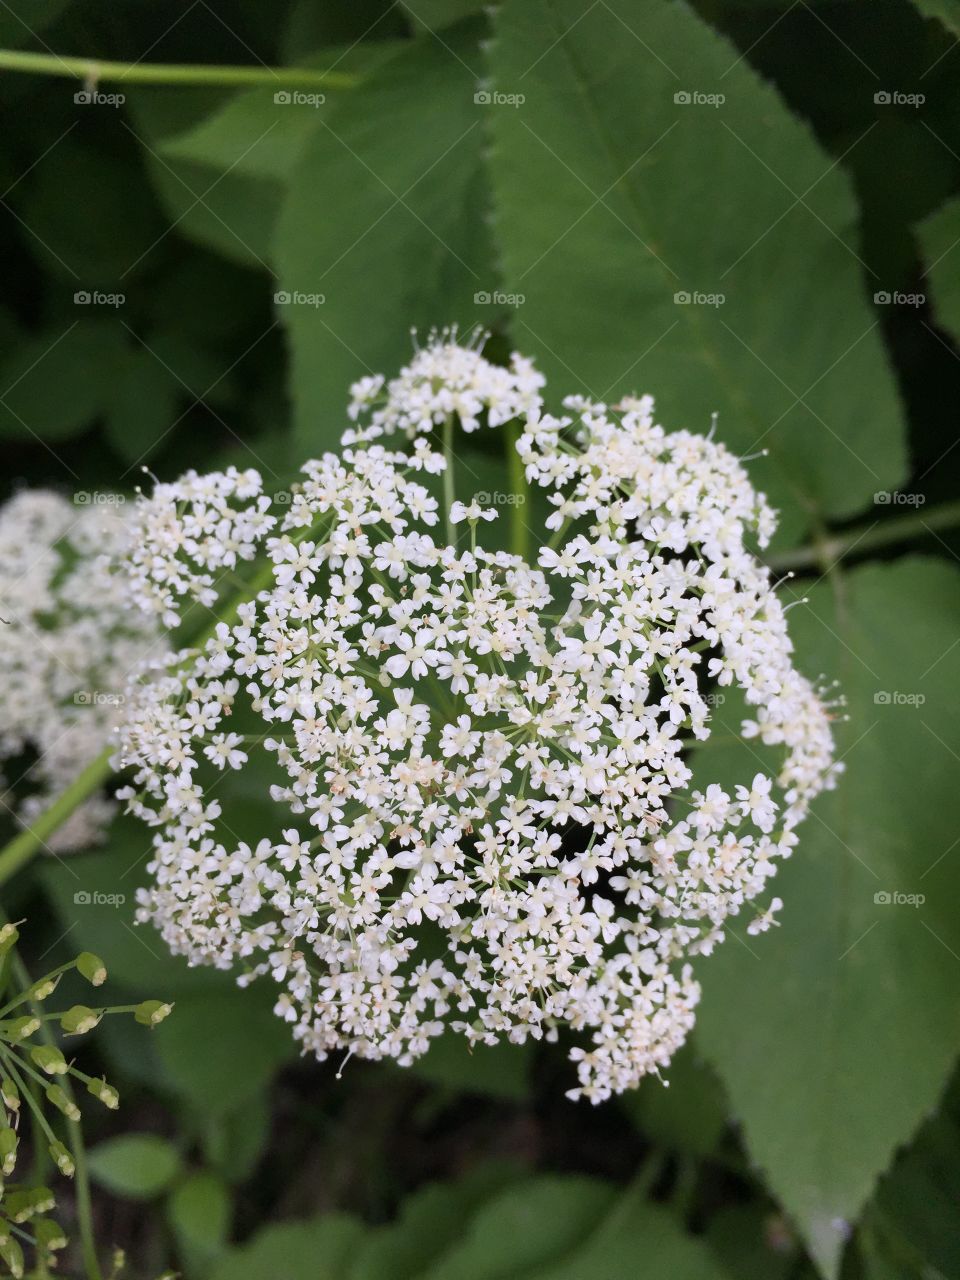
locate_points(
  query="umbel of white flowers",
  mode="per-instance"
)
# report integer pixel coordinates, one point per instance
(487, 819)
(68, 640)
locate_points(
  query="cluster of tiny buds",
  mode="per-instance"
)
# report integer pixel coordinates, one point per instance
(34, 1071)
(489, 812)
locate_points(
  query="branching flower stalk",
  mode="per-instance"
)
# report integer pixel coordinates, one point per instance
(36, 1078)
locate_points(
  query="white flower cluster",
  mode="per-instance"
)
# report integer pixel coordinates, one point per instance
(67, 642)
(481, 766)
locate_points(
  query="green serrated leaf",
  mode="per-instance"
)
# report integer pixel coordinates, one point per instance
(624, 185)
(834, 1034)
(384, 219)
(939, 235)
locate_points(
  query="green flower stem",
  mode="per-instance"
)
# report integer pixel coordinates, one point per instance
(18, 852)
(519, 531)
(95, 71)
(81, 1176)
(827, 550)
(449, 489)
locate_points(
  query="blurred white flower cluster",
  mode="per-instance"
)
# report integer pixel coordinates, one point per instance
(67, 642)
(487, 819)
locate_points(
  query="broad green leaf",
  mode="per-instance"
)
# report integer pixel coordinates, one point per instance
(199, 1211)
(221, 1050)
(912, 1222)
(635, 1241)
(143, 405)
(835, 1033)
(948, 12)
(384, 219)
(428, 1223)
(226, 211)
(552, 1228)
(135, 1165)
(82, 231)
(319, 1250)
(58, 382)
(619, 192)
(938, 236)
(524, 1227)
(260, 133)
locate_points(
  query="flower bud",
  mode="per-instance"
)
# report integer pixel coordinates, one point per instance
(43, 988)
(92, 968)
(79, 1019)
(8, 1150)
(10, 1094)
(8, 938)
(17, 1029)
(104, 1093)
(62, 1159)
(150, 1012)
(49, 1059)
(12, 1255)
(21, 1205)
(50, 1235)
(57, 1098)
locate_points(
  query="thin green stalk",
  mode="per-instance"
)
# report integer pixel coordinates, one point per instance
(18, 852)
(81, 1176)
(519, 530)
(97, 71)
(449, 490)
(829, 549)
